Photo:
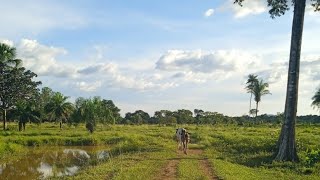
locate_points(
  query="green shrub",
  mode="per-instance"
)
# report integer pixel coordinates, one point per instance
(312, 157)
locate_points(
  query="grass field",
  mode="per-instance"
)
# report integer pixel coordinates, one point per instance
(149, 152)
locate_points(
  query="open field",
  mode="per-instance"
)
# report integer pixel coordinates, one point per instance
(149, 152)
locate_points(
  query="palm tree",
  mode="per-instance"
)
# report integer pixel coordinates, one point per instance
(7, 61)
(58, 108)
(26, 113)
(8, 56)
(259, 89)
(252, 79)
(316, 100)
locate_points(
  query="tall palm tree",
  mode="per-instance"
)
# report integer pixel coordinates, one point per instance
(252, 79)
(259, 90)
(316, 100)
(58, 108)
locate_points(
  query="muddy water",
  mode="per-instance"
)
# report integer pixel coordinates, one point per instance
(41, 163)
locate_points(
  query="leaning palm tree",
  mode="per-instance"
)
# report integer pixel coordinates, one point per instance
(252, 79)
(259, 89)
(58, 109)
(316, 100)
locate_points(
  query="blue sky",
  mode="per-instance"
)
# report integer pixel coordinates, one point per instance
(154, 55)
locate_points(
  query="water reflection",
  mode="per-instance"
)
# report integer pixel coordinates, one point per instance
(45, 169)
(1, 169)
(41, 163)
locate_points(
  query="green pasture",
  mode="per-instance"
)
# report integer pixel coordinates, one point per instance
(141, 152)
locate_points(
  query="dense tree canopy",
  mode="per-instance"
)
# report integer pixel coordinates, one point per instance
(16, 83)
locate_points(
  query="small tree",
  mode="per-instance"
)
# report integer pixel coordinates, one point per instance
(253, 112)
(26, 112)
(198, 113)
(59, 109)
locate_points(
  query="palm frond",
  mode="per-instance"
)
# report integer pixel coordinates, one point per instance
(316, 100)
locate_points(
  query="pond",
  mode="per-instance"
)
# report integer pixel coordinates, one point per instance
(44, 162)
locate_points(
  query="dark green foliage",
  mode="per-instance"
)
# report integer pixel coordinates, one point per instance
(59, 109)
(95, 110)
(312, 157)
(138, 117)
(316, 100)
(183, 116)
(26, 112)
(43, 99)
(90, 127)
(16, 83)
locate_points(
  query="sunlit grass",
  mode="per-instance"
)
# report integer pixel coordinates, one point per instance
(140, 152)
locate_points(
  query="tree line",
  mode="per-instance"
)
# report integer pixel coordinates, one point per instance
(21, 100)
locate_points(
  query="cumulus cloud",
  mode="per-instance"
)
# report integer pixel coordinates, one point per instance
(98, 68)
(277, 72)
(205, 64)
(114, 77)
(209, 13)
(42, 59)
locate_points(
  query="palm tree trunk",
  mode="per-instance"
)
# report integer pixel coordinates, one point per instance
(20, 125)
(4, 115)
(257, 109)
(60, 125)
(287, 150)
(250, 103)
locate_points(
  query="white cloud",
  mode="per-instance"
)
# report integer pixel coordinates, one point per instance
(199, 65)
(209, 13)
(88, 87)
(116, 78)
(249, 7)
(42, 59)
(7, 42)
(309, 78)
(310, 9)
